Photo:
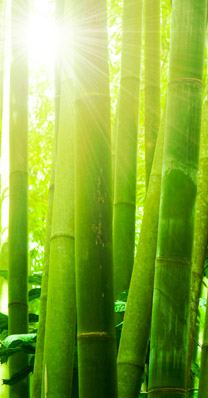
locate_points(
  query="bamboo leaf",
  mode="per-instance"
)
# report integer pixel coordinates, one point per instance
(35, 278)
(34, 293)
(3, 322)
(4, 274)
(18, 376)
(33, 318)
(15, 340)
(120, 306)
(195, 369)
(5, 353)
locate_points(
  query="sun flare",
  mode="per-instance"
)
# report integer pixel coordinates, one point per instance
(42, 37)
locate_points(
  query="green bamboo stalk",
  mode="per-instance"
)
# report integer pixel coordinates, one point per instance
(126, 146)
(38, 371)
(152, 79)
(93, 216)
(200, 234)
(203, 380)
(61, 311)
(136, 327)
(169, 331)
(18, 232)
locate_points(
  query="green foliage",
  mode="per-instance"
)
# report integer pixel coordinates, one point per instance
(41, 132)
(19, 375)
(195, 369)
(34, 293)
(18, 340)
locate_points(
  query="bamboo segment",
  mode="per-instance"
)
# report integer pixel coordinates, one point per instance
(93, 219)
(126, 146)
(39, 351)
(152, 79)
(18, 199)
(61, 284)
(200, 235)
(136, 328)
(169, 333)
(203, 380)
(61, 310)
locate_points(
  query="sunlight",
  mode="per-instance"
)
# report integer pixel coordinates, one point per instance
(41, 37)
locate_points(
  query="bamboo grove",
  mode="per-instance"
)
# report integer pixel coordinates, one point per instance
(117, 307)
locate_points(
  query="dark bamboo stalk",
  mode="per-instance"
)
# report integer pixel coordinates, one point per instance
(18, 197)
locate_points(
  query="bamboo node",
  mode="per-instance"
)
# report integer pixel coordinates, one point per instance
(177, 260)
(19, 172)
(186, 79)
(62, 235)
(92, 335)
(132, 363)
(160, 390)
(17, 302)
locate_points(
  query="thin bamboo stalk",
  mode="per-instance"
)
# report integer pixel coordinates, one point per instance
(18, 230)
(126, 146)
(61, 309)
(152, 79)
(38, 371)
(136, 328)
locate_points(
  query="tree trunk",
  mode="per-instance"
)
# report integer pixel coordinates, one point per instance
(18, 230)
(126, 147)
(137, 319)
(93, 225)
(169, 333)
(152, 79)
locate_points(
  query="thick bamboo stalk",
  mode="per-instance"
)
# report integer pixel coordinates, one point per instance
(18, 230)
(200, 234)
(126, 146)
(152, 79)
(136, 328)
(38, 371)
(61, 310)
(93, 220)
(169, 332)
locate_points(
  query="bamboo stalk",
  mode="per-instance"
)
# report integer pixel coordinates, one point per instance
(136, 328)
(126, 146)
(18, 196)
(169, 331)
(93, 199)
(61, 310)
(38, 371)
(152, 79)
